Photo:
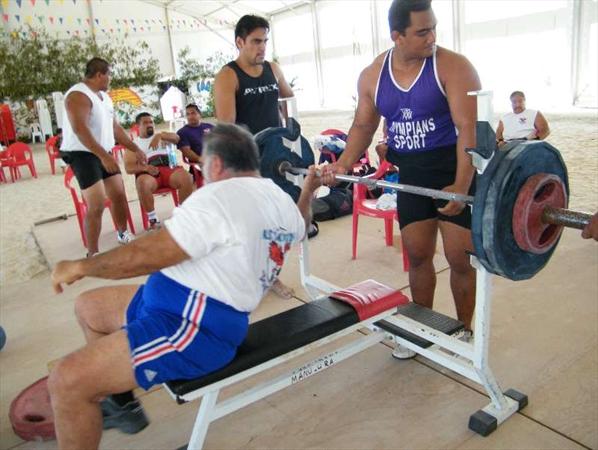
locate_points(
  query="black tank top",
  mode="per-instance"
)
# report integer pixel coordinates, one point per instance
(257, 99)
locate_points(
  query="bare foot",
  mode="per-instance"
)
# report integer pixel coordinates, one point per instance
(281, 290)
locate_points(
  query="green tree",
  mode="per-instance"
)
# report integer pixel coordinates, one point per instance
(34, 64)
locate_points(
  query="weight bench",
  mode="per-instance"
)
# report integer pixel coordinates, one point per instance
(285, 336)
(280, 338)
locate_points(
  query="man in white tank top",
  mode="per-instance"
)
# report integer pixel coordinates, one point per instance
(159, 172)
(522, 123)
(89, 134)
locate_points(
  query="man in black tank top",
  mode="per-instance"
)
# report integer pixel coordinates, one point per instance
(246, 91)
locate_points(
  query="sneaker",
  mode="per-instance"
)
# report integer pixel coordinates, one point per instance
(154, 224)
(402, 352)
(125, 237)
(129, 419)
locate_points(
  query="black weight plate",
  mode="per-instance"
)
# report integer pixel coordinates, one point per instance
(501, 254)
(273, 151)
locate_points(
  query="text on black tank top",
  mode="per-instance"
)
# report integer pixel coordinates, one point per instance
(257, 99)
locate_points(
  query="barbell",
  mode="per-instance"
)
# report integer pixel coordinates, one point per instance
(518, 212)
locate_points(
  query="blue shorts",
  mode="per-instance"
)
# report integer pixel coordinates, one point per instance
(178, 333)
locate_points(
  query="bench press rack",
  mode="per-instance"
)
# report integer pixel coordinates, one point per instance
(426, 332)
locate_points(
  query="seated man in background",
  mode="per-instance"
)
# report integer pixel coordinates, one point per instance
(522, 123)
(156, 173)
(191, 135)
(209, 267)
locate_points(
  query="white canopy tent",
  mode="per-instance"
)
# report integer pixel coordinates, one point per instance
(547, 48)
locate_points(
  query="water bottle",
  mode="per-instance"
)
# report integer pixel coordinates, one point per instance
(392, 177)
(171, 157)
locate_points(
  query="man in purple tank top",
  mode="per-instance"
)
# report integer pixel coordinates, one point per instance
(421, 91)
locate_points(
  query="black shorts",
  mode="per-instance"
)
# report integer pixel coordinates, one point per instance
(87, 167)
(434, 169)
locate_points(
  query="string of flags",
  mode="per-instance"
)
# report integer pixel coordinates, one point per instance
(107, 25)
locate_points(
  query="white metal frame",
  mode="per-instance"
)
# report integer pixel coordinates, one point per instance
(468, 360)
(211, 410)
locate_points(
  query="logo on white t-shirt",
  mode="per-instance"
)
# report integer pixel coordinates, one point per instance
(280, 243)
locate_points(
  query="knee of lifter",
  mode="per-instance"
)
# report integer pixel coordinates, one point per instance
(63, 379)
(81, 305)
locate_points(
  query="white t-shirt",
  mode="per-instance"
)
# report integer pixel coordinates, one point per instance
(143, 144)
(100, 122)
(518, 126)
(236, 232)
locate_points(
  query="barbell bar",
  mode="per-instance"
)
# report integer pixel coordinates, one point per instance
(550, 215)
(285, 166)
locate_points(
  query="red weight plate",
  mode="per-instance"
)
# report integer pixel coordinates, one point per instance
(31, 413)
(538, 192)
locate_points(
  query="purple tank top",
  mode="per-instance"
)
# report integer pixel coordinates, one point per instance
(418, 118)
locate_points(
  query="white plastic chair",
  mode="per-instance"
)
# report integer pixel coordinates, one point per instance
(36, 132)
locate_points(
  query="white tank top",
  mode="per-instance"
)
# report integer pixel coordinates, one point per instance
(518, 126)
(100, 121)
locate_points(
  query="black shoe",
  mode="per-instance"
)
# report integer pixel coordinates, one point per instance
(313, 230)
(129, 419)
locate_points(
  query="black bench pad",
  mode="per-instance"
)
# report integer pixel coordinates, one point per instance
(424, 315)
(277, 335)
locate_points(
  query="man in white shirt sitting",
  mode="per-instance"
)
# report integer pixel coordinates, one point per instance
(157, 173)
(522, 124)
(209, 266)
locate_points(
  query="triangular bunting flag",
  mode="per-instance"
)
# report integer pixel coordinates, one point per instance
(19, 3)
(117, 21)
(51, 19)
(88, 21)
(40, 18)
(32, 2)
(79, 20)
(97, 21)
(5, 17)
(47, 2)
(74, 2)
(18, 17)
(135, 29)
(60, 19)
(28, 20)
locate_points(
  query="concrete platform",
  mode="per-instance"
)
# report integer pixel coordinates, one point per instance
(544, 343)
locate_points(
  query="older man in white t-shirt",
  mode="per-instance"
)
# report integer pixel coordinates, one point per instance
(522, 123)
(209, 268)
(159, 171)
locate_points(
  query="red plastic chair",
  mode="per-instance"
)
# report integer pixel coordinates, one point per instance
(175, 198)
(335, 132)
(22, 156)
(134, 131)
(197, 175)
(81, 206)
(6, 160)
(117, 152)
(53, 153)
(367, 207)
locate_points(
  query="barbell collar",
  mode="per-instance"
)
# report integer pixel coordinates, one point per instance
(566, 217)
